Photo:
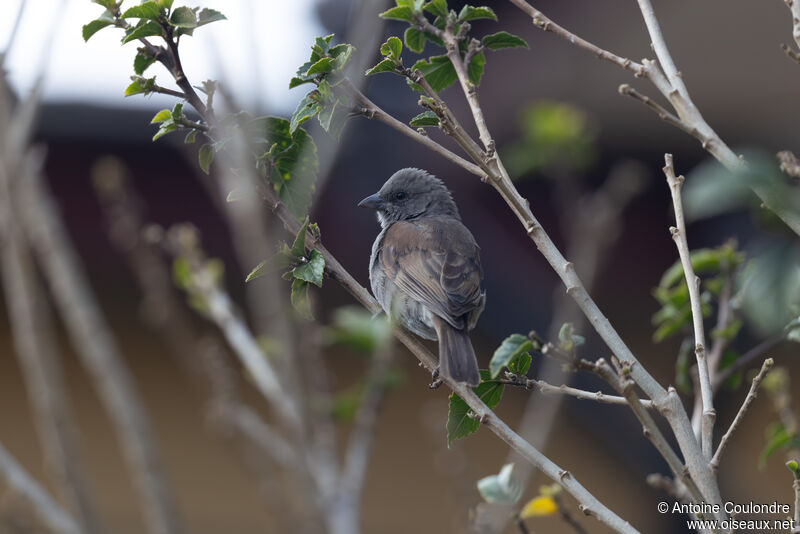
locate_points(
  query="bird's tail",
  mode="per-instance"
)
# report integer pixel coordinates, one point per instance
(456, 356)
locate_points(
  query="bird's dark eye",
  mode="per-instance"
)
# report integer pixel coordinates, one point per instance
(400, 195)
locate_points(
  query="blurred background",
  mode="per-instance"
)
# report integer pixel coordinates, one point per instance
(562, 128)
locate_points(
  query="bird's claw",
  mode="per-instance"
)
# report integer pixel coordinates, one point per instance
(435, 380)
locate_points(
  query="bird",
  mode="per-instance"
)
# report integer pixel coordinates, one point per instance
(425, 268)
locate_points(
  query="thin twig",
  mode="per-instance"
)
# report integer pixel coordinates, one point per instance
(748, 357)
(549, 389)
(693, 283)
(748, 400)
(20, 483)
(794, 9)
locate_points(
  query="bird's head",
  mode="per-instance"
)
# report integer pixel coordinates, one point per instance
(410, 194)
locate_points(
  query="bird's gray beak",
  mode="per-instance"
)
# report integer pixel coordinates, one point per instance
(373, 202)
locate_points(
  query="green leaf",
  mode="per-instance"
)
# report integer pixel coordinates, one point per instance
(326, 115)
(437, 7)
(399, 13)
(108, 4)
(341, 54)
(300, 298)
(568, 339)
(307, 108)
(292, 161)
(145, 10)
(393, 47)
(729, 332)
(278, 261)
(140, 85)
(460, 422)
(779, 438)
(204, 157)
(142, 30)
(471, 13)
(94, 27)
(426, 118)
(295, 81)
(165, 128)
(387, 65)
(475, 69)
(207, 16)
(141, 62)
(312, 270)
(499, 40)
(183, 17)
(415, 40)
(438, 71)
(162, 116)
(735, 380)
(165, 4)
(320, 67)
(298, 249)
(502, 488)
(521, 365)
(512, 348)
(190, 137)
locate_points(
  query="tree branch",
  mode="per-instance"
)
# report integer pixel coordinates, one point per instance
(794, 8)
(20, 483)
(693, 283)
(549, 389)
(748, 400)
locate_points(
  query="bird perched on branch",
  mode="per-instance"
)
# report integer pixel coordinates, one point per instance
(425, 267)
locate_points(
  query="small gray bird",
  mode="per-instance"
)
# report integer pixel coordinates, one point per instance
(425, 268)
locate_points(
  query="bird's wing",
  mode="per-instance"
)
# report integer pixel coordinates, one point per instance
(436, 262)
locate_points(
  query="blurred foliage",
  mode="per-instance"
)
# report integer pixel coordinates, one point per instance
(502, 488)
(357, 329)
(714, 266)
(711, 189)
(557, 138)
(544, 504)
(781, 435)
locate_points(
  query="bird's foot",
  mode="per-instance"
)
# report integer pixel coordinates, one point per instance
(435, 380)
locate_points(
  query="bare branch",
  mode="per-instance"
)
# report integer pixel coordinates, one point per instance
(748, 400)
(21, 484)
(794, 8)
(693, 283)
(796, 487)
(549, 389)
(789, 163)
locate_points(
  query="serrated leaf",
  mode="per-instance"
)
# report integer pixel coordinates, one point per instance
(341, 54)
(207, 16)
(94, 27)
(512, 348)
(499, 40)
(141, 63)
(139, 85)
(312, 270)
(399, 13)
(298, 249)
(300, 299)
(326, 115)
(426, 118)
(387, 65)
(521, 364)
(204, 158)
(438, 71)
(503, 488)
(472, 13)
(460, 424)
(541, 506)
(294, 161)
(140, 31)
(295, 81)
(161, 116)
(475, 68)
(190, 137)
(183, 17)
(437, 7)
(320, 67)
(307, 108)
(165, 128)
(393, 47)
(145, 10)
(415, 40)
